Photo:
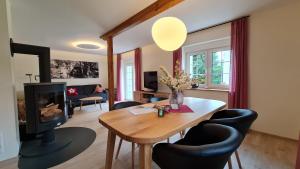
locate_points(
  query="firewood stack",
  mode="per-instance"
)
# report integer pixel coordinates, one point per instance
(21, 111)
(50, 111)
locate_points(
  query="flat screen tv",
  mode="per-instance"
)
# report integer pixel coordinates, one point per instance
(150, 80)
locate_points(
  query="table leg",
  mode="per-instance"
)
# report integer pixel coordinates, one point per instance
(81, 104)
(145, 156)
(238, 159)
(95, 103)
(110, 149)
(132, 154)
(100, 105)
(182, 133)
(229, 163)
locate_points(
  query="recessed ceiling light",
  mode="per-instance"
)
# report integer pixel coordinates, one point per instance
(88, 45)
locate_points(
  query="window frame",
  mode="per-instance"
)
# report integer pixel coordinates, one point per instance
(188, 68)
(209, 54)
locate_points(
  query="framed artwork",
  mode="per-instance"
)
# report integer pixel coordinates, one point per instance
(67, 69)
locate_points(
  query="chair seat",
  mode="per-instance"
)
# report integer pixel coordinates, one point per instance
(206, 146)
(240, 119)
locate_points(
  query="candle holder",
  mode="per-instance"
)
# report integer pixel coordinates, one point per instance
(160, 110)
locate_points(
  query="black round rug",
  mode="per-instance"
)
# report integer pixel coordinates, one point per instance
(81, 138)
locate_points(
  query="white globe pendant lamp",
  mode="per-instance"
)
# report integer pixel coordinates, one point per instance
(169, 33)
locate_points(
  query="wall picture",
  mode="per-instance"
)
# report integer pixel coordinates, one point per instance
(67, 69)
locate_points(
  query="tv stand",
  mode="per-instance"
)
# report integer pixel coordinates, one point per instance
(144, 96)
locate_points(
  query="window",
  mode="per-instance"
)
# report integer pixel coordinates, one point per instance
(198, 66)
(220, 68)
(211, 67)
(129, 81)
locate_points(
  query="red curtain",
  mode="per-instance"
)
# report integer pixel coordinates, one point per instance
(177, 60)
(238, 95)
(138, 69)
(118, 77)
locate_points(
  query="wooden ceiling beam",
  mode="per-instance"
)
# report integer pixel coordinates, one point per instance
(147, 13)
(154, 9)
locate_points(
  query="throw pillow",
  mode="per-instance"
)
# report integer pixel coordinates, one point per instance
(98, 89)
(72, 91)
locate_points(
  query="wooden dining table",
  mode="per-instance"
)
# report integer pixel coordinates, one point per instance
(148, 129)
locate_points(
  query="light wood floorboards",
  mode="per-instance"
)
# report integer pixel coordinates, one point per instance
(259, 151)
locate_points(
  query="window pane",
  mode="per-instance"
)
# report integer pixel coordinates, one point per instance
(216, 78)
(217, 56)
(226, 56)
(129, 83)
(198, 67)
(194, 72)
(220, 67)
(216, 68)
(226, 79)
(226, 67)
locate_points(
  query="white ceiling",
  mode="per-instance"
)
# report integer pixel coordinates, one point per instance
(58, 23)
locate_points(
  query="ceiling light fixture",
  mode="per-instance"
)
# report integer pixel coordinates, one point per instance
(88, 45)
(169, 33)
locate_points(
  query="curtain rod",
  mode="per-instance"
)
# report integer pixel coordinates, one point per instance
(127, 51)
(202, 29)
(219, 24)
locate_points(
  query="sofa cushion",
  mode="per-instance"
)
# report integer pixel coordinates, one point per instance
(98, 89)
(72, 91)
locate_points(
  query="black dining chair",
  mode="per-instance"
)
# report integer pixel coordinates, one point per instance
(240, 119)
(205, 146)
(122, 105)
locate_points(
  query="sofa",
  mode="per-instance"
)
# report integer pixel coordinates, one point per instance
(83, 91)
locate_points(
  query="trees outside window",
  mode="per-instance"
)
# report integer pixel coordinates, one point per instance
(211, 67)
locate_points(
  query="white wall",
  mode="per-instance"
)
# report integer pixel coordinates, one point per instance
(274, 69)
(152, 58)
(23, 64)
(8, 126)
(208, 94)
(75, 56)
(208, 35)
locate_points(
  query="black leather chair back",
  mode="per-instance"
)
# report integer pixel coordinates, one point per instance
(206, 146)
(126, 104)
(240, 119)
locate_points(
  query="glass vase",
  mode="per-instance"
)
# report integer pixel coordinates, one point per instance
(176, 99)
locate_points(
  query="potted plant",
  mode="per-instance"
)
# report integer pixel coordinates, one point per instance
(196, 81)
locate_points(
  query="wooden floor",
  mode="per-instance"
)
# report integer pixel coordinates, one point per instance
(259, 151)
